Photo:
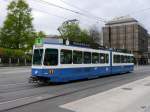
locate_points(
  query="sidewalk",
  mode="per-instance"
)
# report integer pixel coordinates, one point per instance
(132, 97)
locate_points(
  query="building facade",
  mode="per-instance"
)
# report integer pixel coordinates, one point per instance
(127, 33)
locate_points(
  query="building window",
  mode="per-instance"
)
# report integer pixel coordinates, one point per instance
(95, 58)
(77, 57)
(66, 57)
(87, 57)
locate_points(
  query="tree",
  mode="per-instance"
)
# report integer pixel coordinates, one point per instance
(73, 32)
(0, 37)
(17, 31)
(70, 31)
(40, 34)
(95, 34)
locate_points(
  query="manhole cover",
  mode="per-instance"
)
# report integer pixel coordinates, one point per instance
(143, 107)
(146, 108)
(128, 89)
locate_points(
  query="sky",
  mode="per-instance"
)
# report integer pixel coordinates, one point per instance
(48, 18)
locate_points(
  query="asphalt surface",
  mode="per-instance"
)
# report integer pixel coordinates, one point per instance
(14, 85)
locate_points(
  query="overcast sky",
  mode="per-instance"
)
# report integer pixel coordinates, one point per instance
(45, 16)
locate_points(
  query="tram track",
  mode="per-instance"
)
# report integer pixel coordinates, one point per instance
(19, 87)
(6, 88)
(12, 84)
(68, 91)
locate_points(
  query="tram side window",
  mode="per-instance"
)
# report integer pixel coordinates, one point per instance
(66, 57)
(122, 59)
(51, 57)
(77, 57)
(106, 58)
(131, 59)
(128, 59)
(87, 58)
(102, 58)
(117, 59)
(95, 58)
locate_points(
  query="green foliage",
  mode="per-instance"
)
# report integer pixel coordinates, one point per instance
(84, 36)
(1, 51)
(73, 32)
(28, 58)
(19, 53)
(35, 35)
(17, 31)
(8, 53)
(70, 31)
(5, 52)
(40, 34)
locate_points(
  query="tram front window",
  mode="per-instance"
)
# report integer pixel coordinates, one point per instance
(37, 57)
(51, 57)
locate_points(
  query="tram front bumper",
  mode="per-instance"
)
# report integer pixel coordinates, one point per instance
(43, 72)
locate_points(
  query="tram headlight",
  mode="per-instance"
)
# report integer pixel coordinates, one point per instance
(51, 71)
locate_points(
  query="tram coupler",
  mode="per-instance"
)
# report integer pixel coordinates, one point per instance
(38, 80)
(33, 79)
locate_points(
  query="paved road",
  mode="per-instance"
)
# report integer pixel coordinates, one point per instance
(14, 87)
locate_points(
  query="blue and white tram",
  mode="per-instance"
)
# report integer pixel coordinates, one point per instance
(121, 62)
(62, 63)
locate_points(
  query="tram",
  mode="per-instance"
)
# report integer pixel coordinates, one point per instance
(55, 62)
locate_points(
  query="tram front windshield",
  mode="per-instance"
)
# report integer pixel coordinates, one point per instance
(51, 57)
(37, 56)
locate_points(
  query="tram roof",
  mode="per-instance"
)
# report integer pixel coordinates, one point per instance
(52, 41)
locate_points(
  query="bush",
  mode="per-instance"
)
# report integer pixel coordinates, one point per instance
(19, 53)
(1, 52)
(14, 54)
(8, 53)
(11, 53)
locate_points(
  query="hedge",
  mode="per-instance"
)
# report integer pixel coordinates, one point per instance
(11, 53)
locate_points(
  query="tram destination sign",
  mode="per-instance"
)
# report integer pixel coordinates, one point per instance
(39, 41)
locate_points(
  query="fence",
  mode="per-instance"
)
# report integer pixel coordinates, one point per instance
(7, 61)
